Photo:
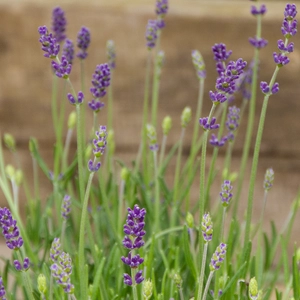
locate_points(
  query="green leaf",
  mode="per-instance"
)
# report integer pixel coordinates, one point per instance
(296, 278)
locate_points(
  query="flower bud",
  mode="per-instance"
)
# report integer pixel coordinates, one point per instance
(178, 280)
(189, 220)
(166, 125)
(124, 173)
(10, 171)
(33, 144)
(72, 120)
(42, 284)
(19, 177)
(186, 117)
(269, 179)
(9, 142)
(147, 289)
(253, 289)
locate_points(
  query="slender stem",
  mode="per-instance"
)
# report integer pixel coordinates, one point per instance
(121, 196)
(207, 284)
(201, 277)
(134, 285)
(15, 190)
(83, 220)
(163, 149)
(223, 224)
(157, 198)
(54, 104)
(110, 103)
(66, 148)
(35, 179)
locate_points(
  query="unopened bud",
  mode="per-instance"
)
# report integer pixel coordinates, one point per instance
(19, 177)
(189, 220)
(124, 174)
(253, 289)
(147, 289)
(9, 142)
(166, 125)
(186, 116)
(178, 280)
(33, 144)
(42, 284)
(10, 171)
(72, 120)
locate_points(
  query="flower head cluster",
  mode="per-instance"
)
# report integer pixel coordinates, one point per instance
(68, 51)
(220, 52)
(151, 33)
(55, 250)
(62, 270)
(83, 42)
(100, 81)
(63, 68)
(151, 133)
(111, 54)
(134, 232)
(269, 179)
(199, 64)
(225, 193)
(66, 207)
(22, 267)
(161, 10)
(207, 228)
(233, 118)
(265, 88)
(99, 145)
(58, 24)
(258, 11)
(218, 257)
(49, 42)
(258, 43)
(2, 290)
(214, 141)
(79, 100)
(206, 125)
(10, 230)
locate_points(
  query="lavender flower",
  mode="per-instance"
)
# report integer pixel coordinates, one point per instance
(289, 24)
(258, 43)
(161, 10)
(151, 33)
(10, 230)
(225, 193)
(266, 89)
(68, 51)
(22, 267)
(100, 81)
(214, 141)
(99, 145)
(208, 125)
(55, 250)
(79, 100)
(258, 11)
(58, 24)
(218, 257)
(83, 42)
(62, 270)
(199, 64)
(62, 69)
(66, 207)
(269, 179)
(95, 105)
(111, 54)
(49, 43)
(2, 290)
(220, 52)
(134, 232)
(233, 118)
(207, 228)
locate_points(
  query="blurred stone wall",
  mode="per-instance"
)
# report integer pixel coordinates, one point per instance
(25, 77)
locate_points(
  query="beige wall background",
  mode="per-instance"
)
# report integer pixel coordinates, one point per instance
(25, 79)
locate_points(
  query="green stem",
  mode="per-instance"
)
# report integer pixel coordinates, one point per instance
(83, 220)
(255, 160)
(157, 199)
(207, 284)
(66, 148)
(54, 104)
(201, 277)
(110, 103)
(120, 213)
(35, 179)
(162, 150)
(134, 285)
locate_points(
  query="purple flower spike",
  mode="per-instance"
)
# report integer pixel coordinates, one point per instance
(99, 142)
(208, 126)
(10, 230)
(127, 279)
(134, 232)
(111, 54)
(220, 53)
(214, 141)
(26, 263)
(49, 43)
(233, 118)
(58, 24)
(55, 250)
(151, 33)
(161, 10)
(217, 97)
(218, 257)
(258, 11)
(62, 69)
(83, 42)
(2, 290)
(66, 207)
(258, 43)
(264, 87)
(94, 167)
(225, 193)
(68, 51)
(207, 228)
(17, 265)
(100, 81)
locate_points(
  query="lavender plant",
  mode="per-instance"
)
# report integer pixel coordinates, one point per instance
(73, 246)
